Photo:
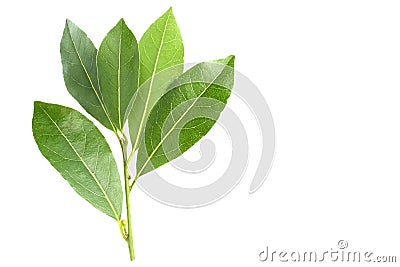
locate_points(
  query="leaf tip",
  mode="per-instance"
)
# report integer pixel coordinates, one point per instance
(36, 104)
(122, 24)
(231, 58)
(68, 23)
(122, 21)
(169, 12)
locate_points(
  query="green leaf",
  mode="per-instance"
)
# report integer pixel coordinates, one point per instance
(118, 67)
(80, 153)
(160, 46)
(78, 56)
(161, 61)
(185, 113)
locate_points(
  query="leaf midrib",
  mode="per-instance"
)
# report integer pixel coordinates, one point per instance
(151, 84)
(119, 78)
(84, 163)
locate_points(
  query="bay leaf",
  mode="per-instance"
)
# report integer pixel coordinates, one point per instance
(185, 113)
(118, 71)
(161, 61)
(80, 153)
(78, 57)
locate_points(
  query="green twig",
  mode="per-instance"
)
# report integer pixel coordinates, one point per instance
(124, 145)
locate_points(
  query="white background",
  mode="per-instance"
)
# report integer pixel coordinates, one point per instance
(330, 72)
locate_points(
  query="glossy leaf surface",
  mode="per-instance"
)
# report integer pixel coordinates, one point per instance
(78, 56)
(118, 70)
(80, 153)
(161, 61)
(185, 113)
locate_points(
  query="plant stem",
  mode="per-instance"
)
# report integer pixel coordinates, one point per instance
(124, 145)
